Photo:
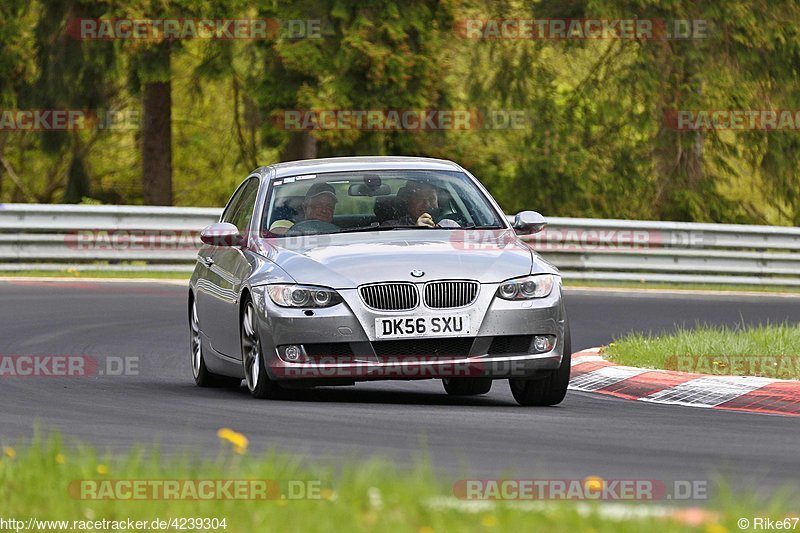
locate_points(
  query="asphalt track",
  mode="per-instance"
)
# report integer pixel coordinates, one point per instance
(486, 437)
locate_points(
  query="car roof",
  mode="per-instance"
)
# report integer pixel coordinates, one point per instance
(358, 164)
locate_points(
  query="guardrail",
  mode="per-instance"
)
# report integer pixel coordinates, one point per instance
(56, 237)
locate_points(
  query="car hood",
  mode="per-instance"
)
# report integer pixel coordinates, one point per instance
(345, 261)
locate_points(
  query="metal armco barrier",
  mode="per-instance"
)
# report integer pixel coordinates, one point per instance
(55, 237)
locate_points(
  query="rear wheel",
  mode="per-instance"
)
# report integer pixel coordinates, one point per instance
(466, 386)
(549, 390)
(202, 376)
(258, 382)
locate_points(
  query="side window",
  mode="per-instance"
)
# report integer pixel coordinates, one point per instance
(233, 206)
(240, 208)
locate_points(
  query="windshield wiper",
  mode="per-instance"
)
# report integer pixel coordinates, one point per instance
(484, 226)
(378, 228)
(361, 229)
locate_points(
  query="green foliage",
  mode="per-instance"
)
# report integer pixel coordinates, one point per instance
(594, 142)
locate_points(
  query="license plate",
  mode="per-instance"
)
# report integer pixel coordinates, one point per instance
(422, 326)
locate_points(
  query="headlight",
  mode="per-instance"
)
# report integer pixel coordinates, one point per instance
(527, 288)
(303, 296)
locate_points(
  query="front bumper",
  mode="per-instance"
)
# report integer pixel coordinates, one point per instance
(342, 345)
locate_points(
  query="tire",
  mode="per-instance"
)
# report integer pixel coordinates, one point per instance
(549, 390)
(202, 376)
(467, 386)
(258, 381)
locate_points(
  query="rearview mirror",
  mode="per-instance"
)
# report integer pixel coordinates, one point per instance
(365, 189)
(527, 222)
(221, 234)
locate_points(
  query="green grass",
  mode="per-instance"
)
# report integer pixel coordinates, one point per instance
(771, 350)
(370, 496)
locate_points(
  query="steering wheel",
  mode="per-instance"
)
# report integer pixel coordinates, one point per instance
(448, 223)
(312, 227)
(453, 217)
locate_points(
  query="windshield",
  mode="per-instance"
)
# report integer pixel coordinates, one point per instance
(376, 201)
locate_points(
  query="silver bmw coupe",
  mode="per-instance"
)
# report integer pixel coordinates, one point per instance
(333, 271)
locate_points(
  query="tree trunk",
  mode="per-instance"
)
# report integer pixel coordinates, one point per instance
(157, 143)
(2, 172)
(301, 145)
(77, 181)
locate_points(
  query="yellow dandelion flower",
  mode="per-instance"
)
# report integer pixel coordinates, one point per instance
(593, 484)
(489, 520)
(60, 459)
(239, 441)
(102, 469)
(426, 529)
(9, 452)
(715, 528)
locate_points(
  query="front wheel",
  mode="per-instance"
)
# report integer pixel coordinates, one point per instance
(466, 386)
(258, 382)
(549, 390)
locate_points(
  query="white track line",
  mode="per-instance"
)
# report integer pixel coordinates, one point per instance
(709, 391)
(604, 377)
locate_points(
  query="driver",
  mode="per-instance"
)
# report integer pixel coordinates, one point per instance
(319, 204)
(420, 198)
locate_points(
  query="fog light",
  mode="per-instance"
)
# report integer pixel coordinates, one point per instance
(292, 353)
(542, 343)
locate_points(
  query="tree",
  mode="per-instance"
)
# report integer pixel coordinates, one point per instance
(72, 74)
(15, 73)
(151, 77)
(377, 56)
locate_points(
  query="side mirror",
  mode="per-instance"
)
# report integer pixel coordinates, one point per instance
(222, 234)
(527, 222)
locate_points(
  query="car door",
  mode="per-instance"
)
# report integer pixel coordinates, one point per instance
(208, 286)
(230, 269)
